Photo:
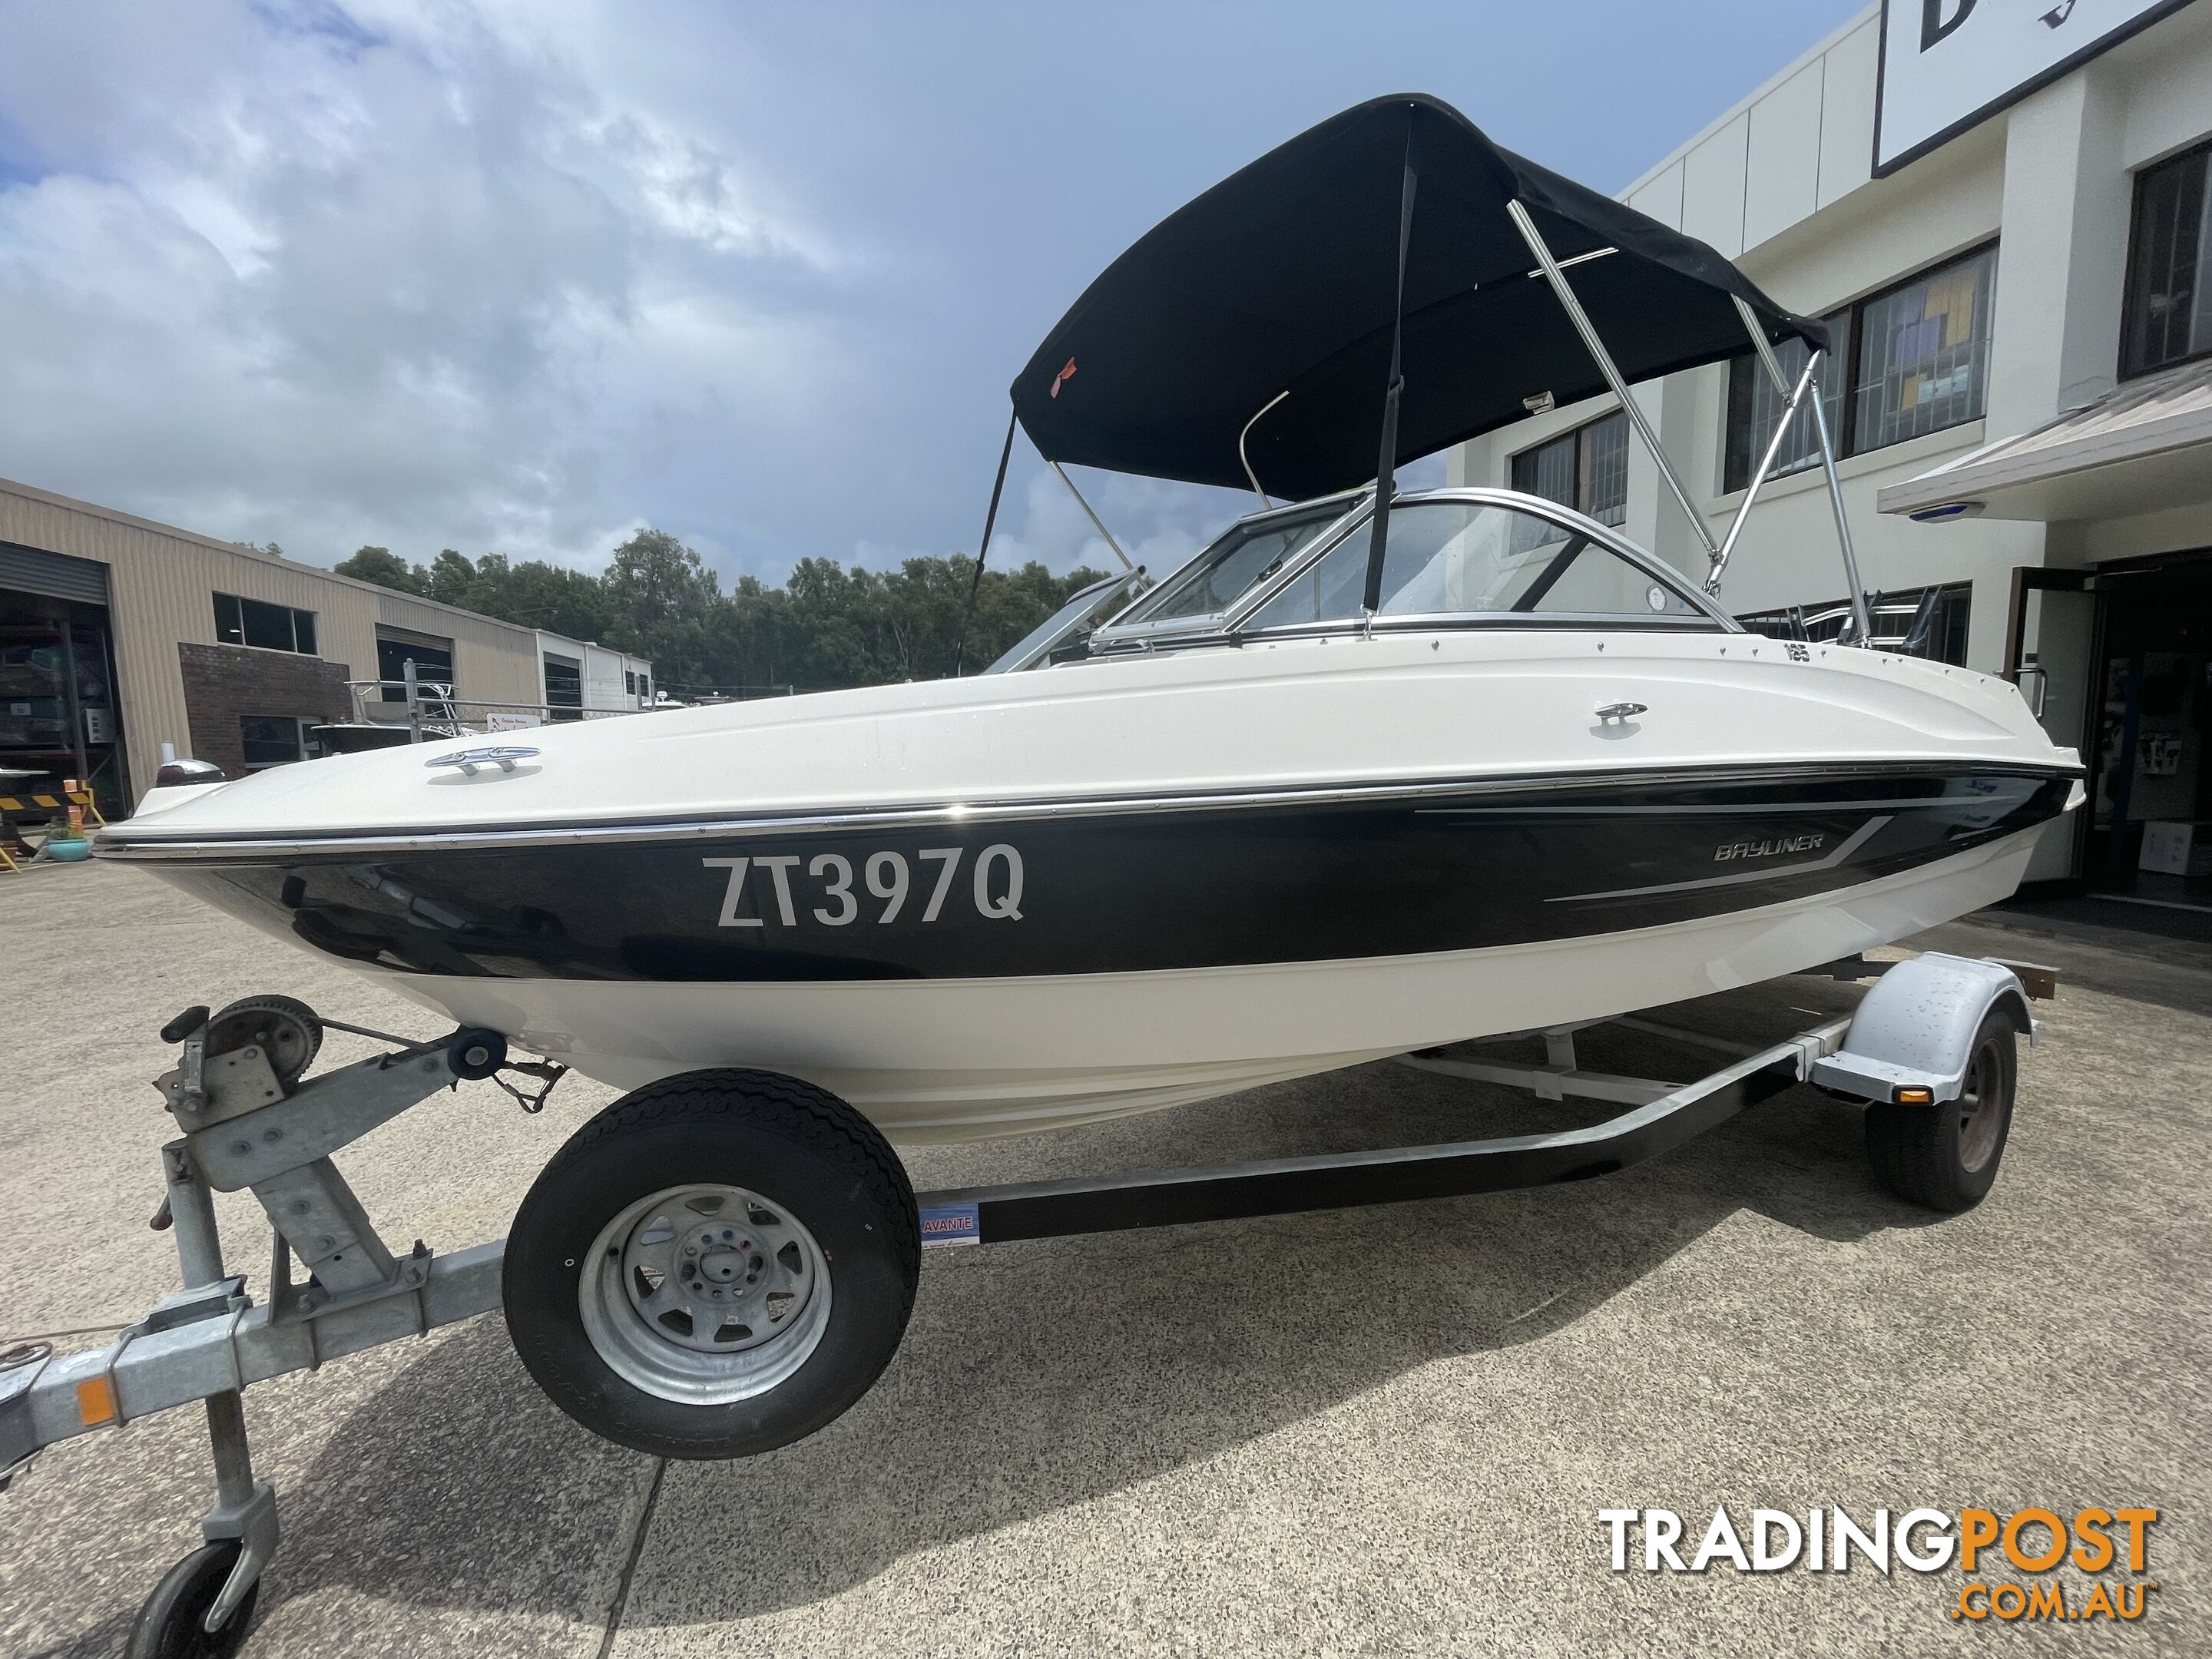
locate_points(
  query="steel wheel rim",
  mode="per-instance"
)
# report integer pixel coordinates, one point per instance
(1981, 1115)
(705, 1294)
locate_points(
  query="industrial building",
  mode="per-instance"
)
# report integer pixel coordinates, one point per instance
(2002, 213)
(120, 636)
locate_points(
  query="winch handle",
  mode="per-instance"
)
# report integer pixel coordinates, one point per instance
(185, 1023)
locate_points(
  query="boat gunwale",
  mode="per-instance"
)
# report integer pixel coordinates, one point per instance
(116, 842)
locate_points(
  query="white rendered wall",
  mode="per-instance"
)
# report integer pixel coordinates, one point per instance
(1782, 183)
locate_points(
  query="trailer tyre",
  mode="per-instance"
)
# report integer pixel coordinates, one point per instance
(718, 1264)
(1945, 1157)
(171, 1624)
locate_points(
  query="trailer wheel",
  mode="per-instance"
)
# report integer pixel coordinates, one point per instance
(1946, 1155)
(717, 1265)
(171, 1625)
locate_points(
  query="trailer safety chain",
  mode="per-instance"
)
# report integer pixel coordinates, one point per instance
(550, 1072)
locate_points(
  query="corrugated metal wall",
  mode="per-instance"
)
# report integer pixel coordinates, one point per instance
(161, 588)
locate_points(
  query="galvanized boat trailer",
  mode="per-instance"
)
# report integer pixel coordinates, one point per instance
(250, 1119)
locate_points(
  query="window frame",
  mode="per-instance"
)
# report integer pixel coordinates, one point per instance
(1848, 444)
(1708, 616)
(1578, 435)
(1844, 429)
(1953, 614)
(2131, 296)
(1066, 628)
(294, 615)
(309, 749)
(1114, 632)
(1748, 370)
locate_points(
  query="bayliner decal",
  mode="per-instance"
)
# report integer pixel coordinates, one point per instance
(1765, 873)
(995, 885)
(1767, 849)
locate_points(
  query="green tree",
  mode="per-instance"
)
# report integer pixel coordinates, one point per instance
(747, 636)
(453, 578)
(826, 626)
(536, 595)
(1010, 602)
(660, 596)
(383, 566)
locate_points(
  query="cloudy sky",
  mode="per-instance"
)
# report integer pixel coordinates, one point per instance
(519, 276)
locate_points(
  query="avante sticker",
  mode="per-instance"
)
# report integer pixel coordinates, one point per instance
(943, 1225)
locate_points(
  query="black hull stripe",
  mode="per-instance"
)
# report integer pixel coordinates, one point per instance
(1123, 892)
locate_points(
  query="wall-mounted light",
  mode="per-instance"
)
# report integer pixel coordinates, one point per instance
(1949, 510)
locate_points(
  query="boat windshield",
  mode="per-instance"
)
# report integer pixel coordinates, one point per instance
(1069, 626)
(1252, 551)
(1476, 558)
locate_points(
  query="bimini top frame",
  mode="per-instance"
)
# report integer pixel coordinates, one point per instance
(1241, 340)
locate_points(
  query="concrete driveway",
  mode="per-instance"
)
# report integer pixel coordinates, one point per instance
(1379, 1432)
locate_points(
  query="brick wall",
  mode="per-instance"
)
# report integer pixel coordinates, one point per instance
(224, 682)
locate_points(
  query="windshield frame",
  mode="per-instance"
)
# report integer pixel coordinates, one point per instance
(1114, 632)
(1070, 615)
(1235, 624)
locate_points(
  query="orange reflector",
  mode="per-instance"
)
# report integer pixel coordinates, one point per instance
(96, 1402)
(1915, 1097)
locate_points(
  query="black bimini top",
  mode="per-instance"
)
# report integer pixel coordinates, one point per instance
(1282, 278)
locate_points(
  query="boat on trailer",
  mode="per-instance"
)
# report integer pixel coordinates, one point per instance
(1354, 782)
(1378, 772)
(1017, 901)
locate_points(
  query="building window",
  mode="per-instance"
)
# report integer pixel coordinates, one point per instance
(1586, 468)
(396, 648)
(1922, 357)
(564, 688)
(269, 740)
(270, 627)
(1919, 622)
(1916, 358)
(2169, 305)
(1754, 405)
(629, 680)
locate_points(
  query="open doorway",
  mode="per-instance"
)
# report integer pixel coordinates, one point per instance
(59, 713)
(2149, 829)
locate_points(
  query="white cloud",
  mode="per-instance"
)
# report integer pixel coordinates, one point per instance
(515, 275)
(1159, 525)
(400, 275)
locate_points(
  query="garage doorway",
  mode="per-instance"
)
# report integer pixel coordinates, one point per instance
(60, 717)
(432, 655)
